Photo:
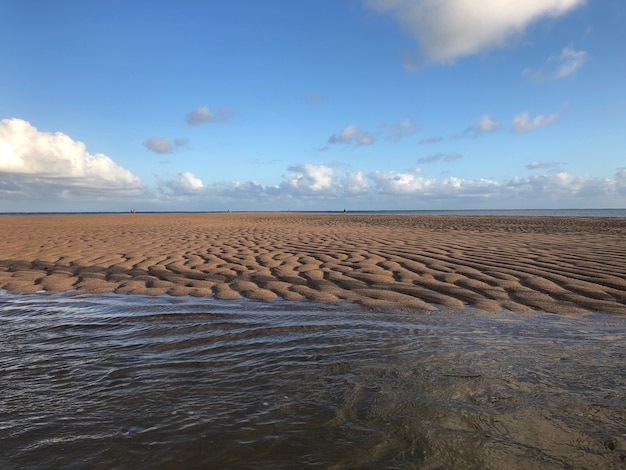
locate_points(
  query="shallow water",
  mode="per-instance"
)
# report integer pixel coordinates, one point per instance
(168, 382)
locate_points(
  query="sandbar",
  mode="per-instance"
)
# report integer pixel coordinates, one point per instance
(565, 265)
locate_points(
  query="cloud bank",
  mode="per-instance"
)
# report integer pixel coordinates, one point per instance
(446, 30)
(321, 187)
(44, 164)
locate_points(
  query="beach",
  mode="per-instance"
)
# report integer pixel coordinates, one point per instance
(300, 340)
(565, 265)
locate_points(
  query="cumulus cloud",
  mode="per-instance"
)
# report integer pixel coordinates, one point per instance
(448, 29)
(523, 123)
(563, 65)
(351, 134)
(203, 114)
(449, 157)
(45, 164)
(309, 178)
(393, 182)
(184, 184)
(355, 182)
(164, 145)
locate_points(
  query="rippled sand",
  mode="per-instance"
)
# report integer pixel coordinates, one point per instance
(553, 264)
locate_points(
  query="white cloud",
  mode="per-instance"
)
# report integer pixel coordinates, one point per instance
(355, 182)
(393, 182)
(164, 145)
(184, 184)
(190, 182)
(351, 134)
(203, 114)
(309, 178)
(45, 164)
(320, 187)
(448, 29)
(523, 123)
(564, 65)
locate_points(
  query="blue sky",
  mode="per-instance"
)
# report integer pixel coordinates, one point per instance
(312, 105)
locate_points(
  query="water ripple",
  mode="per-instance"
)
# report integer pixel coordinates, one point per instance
(129, 381)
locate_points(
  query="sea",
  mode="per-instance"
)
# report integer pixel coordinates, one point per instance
(139, 382)
(485, 212)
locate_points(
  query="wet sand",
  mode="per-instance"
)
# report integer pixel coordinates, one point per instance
(569, 265)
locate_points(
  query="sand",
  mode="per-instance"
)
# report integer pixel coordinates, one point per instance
(567, 265)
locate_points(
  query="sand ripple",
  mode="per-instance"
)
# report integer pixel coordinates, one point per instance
(554, 264)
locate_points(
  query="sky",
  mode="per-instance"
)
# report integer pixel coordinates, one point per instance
(253, 105)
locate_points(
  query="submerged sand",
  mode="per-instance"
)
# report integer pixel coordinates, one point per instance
(554, 264)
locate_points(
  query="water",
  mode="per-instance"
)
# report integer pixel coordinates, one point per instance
(118, 381)
(484, 212)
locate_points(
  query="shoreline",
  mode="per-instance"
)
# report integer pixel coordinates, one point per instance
(573, 265)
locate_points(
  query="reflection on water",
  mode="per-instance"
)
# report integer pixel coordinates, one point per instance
(134, 382)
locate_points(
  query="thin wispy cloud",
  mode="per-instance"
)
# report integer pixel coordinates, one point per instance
(537, 165)
(446, 157)
(401, 129)
(570, 61)
(564, 65)
(430, 140)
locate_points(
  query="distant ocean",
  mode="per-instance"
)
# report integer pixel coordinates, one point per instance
(486, 212)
